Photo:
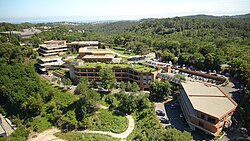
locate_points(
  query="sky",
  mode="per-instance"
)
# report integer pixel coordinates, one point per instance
(116, 9)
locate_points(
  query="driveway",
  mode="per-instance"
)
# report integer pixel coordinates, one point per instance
(160, 106)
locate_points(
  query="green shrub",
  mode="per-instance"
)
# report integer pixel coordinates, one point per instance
(107, 121)
(71, 136)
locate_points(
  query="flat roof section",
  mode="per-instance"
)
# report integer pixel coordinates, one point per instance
(208, 99)
(98, 56)
(84, 42)
(95, 51)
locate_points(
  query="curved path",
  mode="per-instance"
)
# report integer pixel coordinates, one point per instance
(47, 135)
(122, 135)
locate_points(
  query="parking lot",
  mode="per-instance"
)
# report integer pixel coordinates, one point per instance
(173, 114)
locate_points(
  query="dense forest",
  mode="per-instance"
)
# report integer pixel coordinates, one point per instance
(205, 43)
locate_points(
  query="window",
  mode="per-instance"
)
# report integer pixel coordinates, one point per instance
(222, 120)
(150, 77)
(202, 116)
(201, 124)
(211, 120)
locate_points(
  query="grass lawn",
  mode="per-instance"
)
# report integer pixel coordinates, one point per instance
(84, 137)
(137, 67)
(127, 53)
(106, 120)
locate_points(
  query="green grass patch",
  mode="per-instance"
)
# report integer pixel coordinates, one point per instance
(123, 52)
(84, 137)
(137, 67)
(64, 98)
(40, 124)
(107, 121)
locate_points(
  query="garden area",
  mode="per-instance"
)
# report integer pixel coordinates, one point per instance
(73, 136)
(122, 51)
(105, 120)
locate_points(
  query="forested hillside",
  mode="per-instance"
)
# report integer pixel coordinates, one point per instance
(203, 43)
(32, 103)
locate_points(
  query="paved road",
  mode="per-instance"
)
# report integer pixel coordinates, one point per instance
(160, 106)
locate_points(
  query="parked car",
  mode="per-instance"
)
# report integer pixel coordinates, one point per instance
(175, 106)
(165, 120)
(160, 113)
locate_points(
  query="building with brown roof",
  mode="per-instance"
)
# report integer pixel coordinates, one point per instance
(94, 54)
(206, 107)
(52, 48)
(80, 44)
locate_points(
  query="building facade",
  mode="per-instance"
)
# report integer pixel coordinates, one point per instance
(52, 48)
(80, 44)
(206, 107)
(142, 78)
(94, 54)
(46, 63)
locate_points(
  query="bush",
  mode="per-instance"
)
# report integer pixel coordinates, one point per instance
(20, 134)
(107, 121)
(71, 136)
(40, 124)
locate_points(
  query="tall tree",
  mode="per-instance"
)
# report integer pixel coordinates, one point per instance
(135, 87)
(161, 89)
(107, 78)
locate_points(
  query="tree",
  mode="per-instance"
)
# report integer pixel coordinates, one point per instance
(135, 87)
(161, 89)
(82, 86)
(87, 104)
(53, 79)
(68, 121)
(123, 85)
(173, 134)
(128, 103)
(128, 86)
(107, 78)
(59, 82)
(66, 82)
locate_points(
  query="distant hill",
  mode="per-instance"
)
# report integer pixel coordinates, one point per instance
(242, 16)
(203, 16)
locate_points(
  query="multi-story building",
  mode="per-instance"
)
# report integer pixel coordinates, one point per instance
(94, 54)
(52, 48)
(206, 107)
(79, 44)
(46, 63)
(140, 74)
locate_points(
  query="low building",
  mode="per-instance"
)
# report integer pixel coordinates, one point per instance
(47, 63)
(206, 107)
(6, 128)
(52, 48)
(140, 74)
(79, 44)
(94, 54)
(25, 33)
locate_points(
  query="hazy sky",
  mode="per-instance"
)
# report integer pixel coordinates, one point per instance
(119, 9)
